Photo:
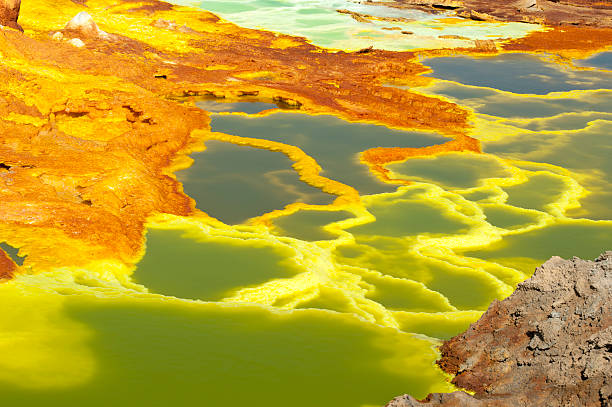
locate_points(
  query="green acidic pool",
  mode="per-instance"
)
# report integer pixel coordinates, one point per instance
(334, 143)
(321, 23)
(517, 73)
(222, 182)
(156, 354)
(208, 269)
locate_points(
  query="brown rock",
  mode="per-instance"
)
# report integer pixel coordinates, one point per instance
(548, 344)
(7, 266)
(9, 13)
(456, 399)
(567, 12)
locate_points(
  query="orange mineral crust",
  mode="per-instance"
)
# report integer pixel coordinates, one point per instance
(566, 41)
(7, 266)
(185, 51)
(71, 178)
(93, 122)
(377, 158)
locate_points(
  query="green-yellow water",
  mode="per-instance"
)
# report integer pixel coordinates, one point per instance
(221, 182)
(156, 353)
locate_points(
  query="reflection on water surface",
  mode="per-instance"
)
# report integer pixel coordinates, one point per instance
(518, 73)
(234, 183)
(603, 60)
(217, 106)
(13, 253)
(334, 143)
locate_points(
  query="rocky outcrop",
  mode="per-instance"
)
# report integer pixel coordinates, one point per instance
(456, 399)
(548, 344)
(7, 266)
(9, 13)
(551, 12)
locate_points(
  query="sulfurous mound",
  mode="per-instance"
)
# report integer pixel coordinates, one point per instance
(548, 344)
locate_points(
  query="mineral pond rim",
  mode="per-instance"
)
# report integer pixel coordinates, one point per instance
(274, 202)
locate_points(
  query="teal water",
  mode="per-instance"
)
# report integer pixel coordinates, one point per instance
(602, 60)
(334, 143)
(234, 183)
(518, 73)
(321, 24)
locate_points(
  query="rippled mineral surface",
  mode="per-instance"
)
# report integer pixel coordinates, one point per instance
(284, 202)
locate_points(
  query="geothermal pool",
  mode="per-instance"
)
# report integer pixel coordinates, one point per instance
(310, 278)
(384, 27)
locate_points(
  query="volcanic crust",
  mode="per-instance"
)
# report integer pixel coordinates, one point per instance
(550, 12)
(548, 344)
(94, 119)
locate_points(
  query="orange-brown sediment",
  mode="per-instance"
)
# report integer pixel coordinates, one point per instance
(7, 266)
(377, 158)
(567, 41)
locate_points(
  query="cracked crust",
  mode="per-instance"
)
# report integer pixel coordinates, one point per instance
(548, 344)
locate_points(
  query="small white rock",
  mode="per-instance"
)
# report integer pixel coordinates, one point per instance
(82, 19)
(84, 23)
(58, 36)
(77, 42)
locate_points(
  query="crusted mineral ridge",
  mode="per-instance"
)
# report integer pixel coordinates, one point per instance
(566, 12)
(548, 344)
